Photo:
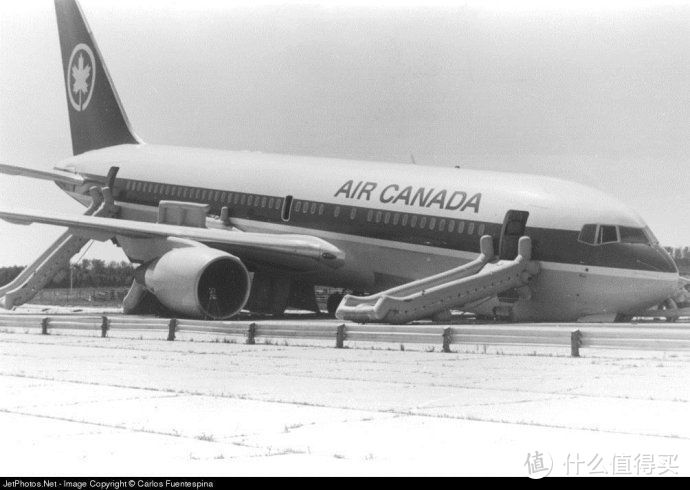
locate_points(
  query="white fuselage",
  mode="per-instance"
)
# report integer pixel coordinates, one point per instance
(393, 221)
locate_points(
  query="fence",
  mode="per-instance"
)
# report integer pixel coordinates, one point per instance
(671, 337)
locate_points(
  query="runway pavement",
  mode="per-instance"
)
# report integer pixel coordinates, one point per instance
(86, 405)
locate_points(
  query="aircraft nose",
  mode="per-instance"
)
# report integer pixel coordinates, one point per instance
(663, 261)
(654, 258)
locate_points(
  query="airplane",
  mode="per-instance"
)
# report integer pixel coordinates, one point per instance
(214, 232)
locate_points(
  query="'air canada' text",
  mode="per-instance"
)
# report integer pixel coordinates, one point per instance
(411, 196)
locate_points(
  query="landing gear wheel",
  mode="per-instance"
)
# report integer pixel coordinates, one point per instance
(333, 302)
(669, 304)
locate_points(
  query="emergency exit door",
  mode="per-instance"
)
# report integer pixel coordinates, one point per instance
(513, 228)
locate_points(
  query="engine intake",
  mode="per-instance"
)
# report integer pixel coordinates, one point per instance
(199, 281)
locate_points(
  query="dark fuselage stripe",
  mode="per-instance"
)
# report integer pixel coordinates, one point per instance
(551, 245)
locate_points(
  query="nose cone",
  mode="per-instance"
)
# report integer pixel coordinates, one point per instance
(660, 260)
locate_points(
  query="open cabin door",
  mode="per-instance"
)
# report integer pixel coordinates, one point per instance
(513, 228)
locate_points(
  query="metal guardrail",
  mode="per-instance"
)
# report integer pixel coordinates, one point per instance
(643, 336)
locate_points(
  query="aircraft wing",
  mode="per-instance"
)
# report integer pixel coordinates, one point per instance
(272, 246)
(54, 175)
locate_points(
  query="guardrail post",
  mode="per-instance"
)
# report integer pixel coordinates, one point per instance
(575, 343)
(104, 326)
(340, 337)
(172, 326)
(44, 326)
(251, 334)
(446, 339)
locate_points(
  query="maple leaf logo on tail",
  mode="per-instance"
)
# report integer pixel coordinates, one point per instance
(80, 74)
(82, 67)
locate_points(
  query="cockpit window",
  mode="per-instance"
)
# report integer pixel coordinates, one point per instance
(607, 234)
(602, 234)
(588, 234)
(650, 236)
(633, 235)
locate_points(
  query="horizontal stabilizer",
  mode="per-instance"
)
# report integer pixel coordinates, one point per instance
(54, 175)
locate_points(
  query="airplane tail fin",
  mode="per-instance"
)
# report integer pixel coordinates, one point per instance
(96, 116)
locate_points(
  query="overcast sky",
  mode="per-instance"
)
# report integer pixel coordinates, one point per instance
(593, 92)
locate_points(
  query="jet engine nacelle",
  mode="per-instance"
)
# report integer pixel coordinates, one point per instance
(199, 281)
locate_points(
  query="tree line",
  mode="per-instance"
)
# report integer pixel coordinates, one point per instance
(96, 273)
(87, 273)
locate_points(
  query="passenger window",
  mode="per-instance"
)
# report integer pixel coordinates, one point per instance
(413, 221)
(250, 200)
(353, 213)
(370, 215)
(470, 228)
(313, 208)
(305, 207)
(396, 218)
(378, 216)
(298, 206)
(461, 226)
(432, 223)
(270, 203)
(607, 234)
(336, 211)
(387, 217)
(237, 198)
(264, 200)
(243, 199)
(279, 203)
(225, 197)
(481, 229)
(451, 226)
(422, 222)
(321, 209)
(442, 225)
